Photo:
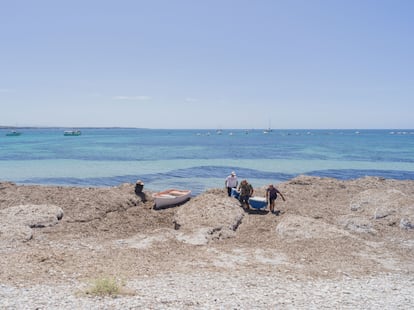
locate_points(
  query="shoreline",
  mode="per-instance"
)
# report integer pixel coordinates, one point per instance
(352, 175)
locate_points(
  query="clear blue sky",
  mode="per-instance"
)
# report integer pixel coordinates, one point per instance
(207, 63)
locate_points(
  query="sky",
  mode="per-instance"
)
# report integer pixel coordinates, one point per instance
(216, 64)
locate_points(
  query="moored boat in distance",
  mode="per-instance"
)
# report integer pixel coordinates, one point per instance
(72, 133)
(13, 133)
(268, 130)
(170, 197)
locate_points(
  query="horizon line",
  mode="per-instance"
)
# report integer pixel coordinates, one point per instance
(216, 129)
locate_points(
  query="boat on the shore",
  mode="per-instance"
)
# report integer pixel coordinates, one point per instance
(72, 133)
(13, 133)
(171, 197)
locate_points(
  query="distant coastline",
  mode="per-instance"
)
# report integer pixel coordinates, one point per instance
(211, 129)
(64, 127)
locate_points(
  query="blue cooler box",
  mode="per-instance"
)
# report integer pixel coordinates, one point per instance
(235, 193)
(257, 202)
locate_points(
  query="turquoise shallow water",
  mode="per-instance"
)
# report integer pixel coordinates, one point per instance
(200, 159)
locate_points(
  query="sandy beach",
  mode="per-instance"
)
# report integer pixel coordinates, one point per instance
(334, 245)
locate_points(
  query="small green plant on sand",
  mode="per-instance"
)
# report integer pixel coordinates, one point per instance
(105, 286)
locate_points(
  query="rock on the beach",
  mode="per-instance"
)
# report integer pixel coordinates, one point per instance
(10, 234)
(356, 224)
(387, 206)
(378, 201)
(16, 222)
(293, 227)
(383, 212)
(407, 223)
(207, 217)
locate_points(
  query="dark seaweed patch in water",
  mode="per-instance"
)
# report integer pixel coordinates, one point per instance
(198, 175)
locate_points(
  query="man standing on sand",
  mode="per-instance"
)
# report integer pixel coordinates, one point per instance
(271, 195)
(231, 182)
(246, 191)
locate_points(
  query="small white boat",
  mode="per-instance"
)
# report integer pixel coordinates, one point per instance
(170, 197)
(13, 133)
(268, 130)
(72, 133)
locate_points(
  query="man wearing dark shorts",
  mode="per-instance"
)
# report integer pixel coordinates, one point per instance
(246, 191)
(271, 195)
(231, 182)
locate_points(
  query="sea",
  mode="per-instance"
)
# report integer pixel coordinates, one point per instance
(200, 159)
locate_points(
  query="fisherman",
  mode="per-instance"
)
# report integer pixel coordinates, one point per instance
(271, 195)
(231, 182)
(139, 186)
(246, 191)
